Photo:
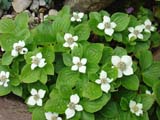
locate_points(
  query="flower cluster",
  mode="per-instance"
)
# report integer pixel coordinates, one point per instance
(136, 32)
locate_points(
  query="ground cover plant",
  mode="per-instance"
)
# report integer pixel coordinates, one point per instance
(82, 67)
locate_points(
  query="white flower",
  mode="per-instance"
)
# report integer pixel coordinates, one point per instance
(4, 78)
(104, 81)
(107, 26)
(77, 16)
(52, 116)
(73, 106)
(124, 65)
(148, 26)
(19, 48)
(36, 97)
(136, 108)
(70, 41)
(79, 64)
(2, 49)
(136, 32)
(38, 61)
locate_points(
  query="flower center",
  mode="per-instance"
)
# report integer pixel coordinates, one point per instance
(3, 78)
(70, 41)
(19, 48)
(136, 32)
(36, 97)
(76, 16)
(121, 65)
(53, 118)
(107, 25)
(79, 64)
(36, 61)
(135, 108)
(148, 27)
(103, 81)
(71, 105)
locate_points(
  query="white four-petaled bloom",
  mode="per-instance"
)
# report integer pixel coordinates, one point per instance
(73, 106)
(104, 81)
(79, 64)
(136, 32)
(19, 48)
(52, 116)
(36, 97)
(124, 65)
(77, 16)
(107, 26)
(4, 78)
(38, 61)
(70, 41)
(148, 26)
(136, 108)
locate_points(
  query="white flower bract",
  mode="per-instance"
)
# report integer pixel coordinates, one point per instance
(148, 26)
(77, 16)
(70, 41)
(104, 81)
(136, 108)
(73, 106)
(107, 26)
(136, 32)
(36, 98)
(4, 78)
(124, 65)
(79, 64)
(52, 116)
(19, 48)
(37, 61)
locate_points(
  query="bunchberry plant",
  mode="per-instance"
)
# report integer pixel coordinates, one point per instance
(82, 67)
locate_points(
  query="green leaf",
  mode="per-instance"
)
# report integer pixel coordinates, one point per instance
(43, 33)
(119, 51)
(61, 24)
(67, 59)
(151, 75)
(93, 52)
(156, 91)
(95, 105)
(56, 103)
(147, 101)
(92, 91)
(107, 54)
(7, 26)
(145, 59)
(17, 90)
(158, 113)
(118, 37)
(28, 75)
(121, 19)
(124, 104)
(87, 116)
(130, 82)
(38, 114)
(7, 58)
(110, 111)
(82, 31)
(4, 90)
(67, 77)
(22, 20)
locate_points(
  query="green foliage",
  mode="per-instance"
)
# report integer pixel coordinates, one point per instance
(61, 76)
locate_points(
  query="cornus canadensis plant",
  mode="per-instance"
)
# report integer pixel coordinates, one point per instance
(95, 66)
